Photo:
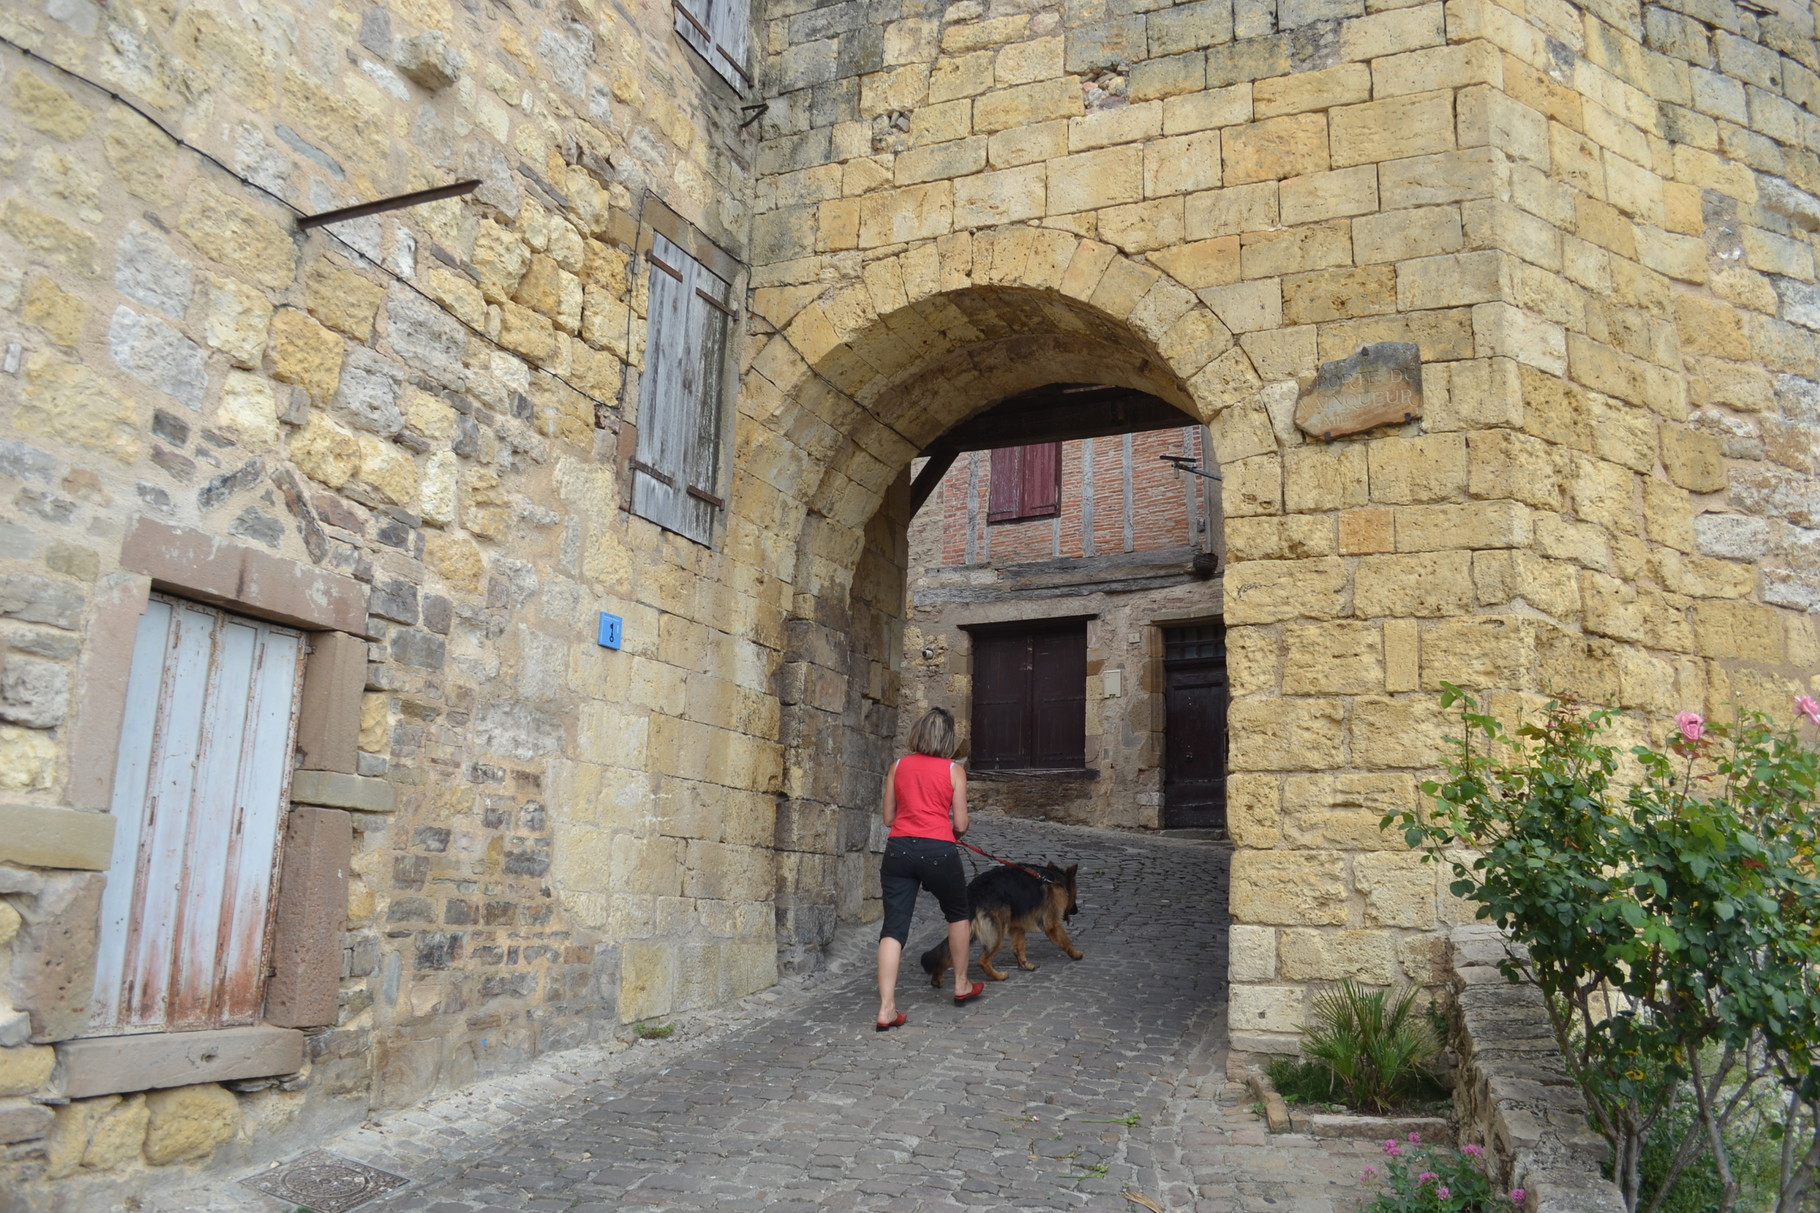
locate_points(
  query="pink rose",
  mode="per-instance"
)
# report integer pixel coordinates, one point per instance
(1692, 725)
(1472, 1150)
(1443, 1192)
(1424, 1177)
(1391, 1148)
(1517, 1195)
(1415, 1137)
(1809, 707)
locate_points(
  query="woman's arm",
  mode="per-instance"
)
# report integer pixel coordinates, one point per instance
(889, 807)
(957, 778)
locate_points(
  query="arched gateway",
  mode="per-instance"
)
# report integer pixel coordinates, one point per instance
(925, 343)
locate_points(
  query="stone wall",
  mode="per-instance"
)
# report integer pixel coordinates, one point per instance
(429, 405)
(1596, 226)
(1512, 1093)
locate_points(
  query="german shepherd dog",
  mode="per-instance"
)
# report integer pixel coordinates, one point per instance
(1008, 901)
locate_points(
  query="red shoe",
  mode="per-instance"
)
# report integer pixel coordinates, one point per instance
(979, 987)
(899, 1022)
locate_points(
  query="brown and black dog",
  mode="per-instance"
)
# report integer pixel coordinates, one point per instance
(1008, 901)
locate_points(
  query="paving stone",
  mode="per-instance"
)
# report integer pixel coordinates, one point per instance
(1061, 1088)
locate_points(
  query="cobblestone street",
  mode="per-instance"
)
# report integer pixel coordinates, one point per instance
(1063, 1088)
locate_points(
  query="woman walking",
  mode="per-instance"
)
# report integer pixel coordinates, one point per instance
(925, 811)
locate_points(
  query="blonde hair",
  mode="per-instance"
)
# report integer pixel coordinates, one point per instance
(934, 734)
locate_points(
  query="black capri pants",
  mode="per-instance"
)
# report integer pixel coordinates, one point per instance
(921, 863)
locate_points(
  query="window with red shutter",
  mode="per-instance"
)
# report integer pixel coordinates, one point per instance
(1026, 483)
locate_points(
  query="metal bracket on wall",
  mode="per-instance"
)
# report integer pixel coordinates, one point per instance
(1186, 463)
(416, 198)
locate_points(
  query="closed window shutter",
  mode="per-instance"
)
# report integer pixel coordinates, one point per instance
(1042, 480)
(727, 25)
(1030, 697)
(676, 471)
(1005, 492)
(1026, 482)
(692, 18)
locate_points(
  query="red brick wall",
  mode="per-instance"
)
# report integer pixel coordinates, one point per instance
(1163, 507)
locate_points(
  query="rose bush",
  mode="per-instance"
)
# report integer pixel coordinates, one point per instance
(1671, 918)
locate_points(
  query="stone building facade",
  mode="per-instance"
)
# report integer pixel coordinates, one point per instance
(1129, 557)
(408, 441)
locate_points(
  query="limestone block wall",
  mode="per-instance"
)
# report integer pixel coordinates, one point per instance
(428, 404)
(1595, 221)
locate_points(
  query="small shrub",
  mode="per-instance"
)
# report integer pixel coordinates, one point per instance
(1376, 1047)
(654, 1031)
(1432, 1179)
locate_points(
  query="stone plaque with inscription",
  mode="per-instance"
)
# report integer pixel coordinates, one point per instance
(1379, 385)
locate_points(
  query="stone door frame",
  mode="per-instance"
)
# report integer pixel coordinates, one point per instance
(54, 955)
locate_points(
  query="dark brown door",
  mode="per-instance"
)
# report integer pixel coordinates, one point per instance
(1195, 694)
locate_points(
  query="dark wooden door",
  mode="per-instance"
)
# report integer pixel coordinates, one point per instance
(1195, 694)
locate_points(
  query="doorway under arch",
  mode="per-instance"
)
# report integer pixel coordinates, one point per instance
(850, 395)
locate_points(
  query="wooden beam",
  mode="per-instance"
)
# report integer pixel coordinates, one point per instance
(1063, 413)
(941, 458)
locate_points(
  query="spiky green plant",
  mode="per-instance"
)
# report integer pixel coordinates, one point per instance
(1374, 1045)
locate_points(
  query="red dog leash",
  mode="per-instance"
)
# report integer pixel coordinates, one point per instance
(1006, 862)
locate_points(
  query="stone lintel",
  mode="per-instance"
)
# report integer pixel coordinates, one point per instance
(107, 1065)
(55, 837)
(336, 790)
(310, 926)
(199, 565)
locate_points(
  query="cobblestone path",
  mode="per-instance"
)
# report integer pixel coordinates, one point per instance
(1063, 1088)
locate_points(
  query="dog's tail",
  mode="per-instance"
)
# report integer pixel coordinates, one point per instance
(936, 962)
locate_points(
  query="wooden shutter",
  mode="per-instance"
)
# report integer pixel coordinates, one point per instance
(1058, 693)
(200, 791)
(1030, 697)
(676, 472)
(727, 25)
(691, 21)
(1025, 483)
(1005, 489)
(1041, 495)
(717, 31)
(1001, 683)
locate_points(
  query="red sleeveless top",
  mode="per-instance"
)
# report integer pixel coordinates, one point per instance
(924, 793)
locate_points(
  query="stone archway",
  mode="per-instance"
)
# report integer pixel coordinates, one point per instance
(877, 370)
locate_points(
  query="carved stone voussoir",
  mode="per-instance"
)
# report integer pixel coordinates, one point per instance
(1379, 385)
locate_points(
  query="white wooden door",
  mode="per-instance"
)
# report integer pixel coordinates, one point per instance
(200, 791)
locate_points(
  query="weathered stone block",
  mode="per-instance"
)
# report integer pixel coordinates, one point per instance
(1090, 180)
(100, 1065)
(1427, 584)
(1398, 733)
(55, 838)
(1330, 956)
(1286, 734)
(53, 966)
(1288, 146)
(1289, 888)
(189, 1122)
(1333, 658)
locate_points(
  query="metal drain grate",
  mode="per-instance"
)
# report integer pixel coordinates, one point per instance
(324, 1182)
